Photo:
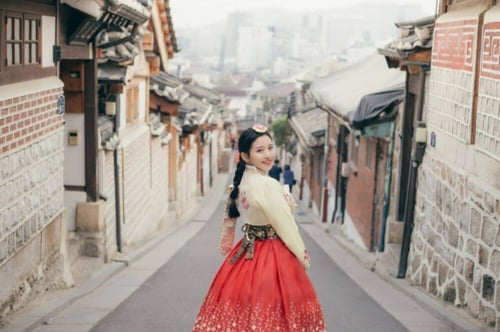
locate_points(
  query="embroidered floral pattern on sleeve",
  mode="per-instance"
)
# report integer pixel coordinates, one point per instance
(306, 257)
(244, 200)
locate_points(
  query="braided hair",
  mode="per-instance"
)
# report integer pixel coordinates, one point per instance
(245, 142)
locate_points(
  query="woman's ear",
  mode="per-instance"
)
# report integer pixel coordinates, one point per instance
(245, 157)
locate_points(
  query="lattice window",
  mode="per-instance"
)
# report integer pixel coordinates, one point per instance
(22, 39)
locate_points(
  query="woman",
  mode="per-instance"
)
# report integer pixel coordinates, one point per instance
(262, 285)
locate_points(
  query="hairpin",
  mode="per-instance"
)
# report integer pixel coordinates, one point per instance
(258, 128)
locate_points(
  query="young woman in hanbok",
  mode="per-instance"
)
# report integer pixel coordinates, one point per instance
(262, 285)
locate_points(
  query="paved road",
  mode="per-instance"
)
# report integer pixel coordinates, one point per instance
(169, 300)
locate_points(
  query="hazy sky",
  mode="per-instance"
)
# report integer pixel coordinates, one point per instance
(196, 13)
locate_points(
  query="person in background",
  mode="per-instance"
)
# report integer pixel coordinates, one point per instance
(276, 170)
(262, 284)
(288, 177)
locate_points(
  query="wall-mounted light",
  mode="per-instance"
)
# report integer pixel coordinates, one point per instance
(421, 133)
(110, 105)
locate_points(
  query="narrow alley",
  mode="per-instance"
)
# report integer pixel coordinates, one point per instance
(161, 289)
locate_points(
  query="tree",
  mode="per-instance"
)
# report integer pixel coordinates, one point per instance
(281, 131)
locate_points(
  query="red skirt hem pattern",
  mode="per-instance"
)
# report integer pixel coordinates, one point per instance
(270, 292)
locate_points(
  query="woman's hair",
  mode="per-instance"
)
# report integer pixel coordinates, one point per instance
(245, 142)
(287, 167)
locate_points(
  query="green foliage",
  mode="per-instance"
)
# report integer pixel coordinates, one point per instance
(281, 131)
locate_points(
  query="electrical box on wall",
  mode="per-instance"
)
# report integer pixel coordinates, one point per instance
(72, 137)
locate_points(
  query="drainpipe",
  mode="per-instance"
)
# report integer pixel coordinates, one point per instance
(338, 172)
(387, 191)
(378, 151)
(344, 175)
(116, 167)
(324, 194)
(419, 143)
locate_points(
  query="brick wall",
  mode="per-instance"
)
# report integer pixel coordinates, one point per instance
(31, 182)
(488, 106)
(360, 193)
(450, 96)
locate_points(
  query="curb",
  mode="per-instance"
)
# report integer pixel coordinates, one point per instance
(39, 312)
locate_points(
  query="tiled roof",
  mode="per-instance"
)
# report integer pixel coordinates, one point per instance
(168, 86)
(341, 92)
(309, 125)
(203, 93)
(168, 27)
(158, 129)
(108, 138)
(414, 36)
(119, 45)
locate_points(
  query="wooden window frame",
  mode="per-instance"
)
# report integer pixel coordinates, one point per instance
(23, 72)
(132, 103)
(24, 17)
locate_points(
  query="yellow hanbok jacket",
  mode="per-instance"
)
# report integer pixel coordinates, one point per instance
(264, 201)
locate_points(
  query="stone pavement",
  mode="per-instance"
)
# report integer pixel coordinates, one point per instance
(83, 307)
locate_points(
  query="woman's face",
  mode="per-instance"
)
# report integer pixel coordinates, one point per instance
(261, 154)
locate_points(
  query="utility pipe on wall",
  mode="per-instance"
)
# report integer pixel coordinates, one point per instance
(417, 157)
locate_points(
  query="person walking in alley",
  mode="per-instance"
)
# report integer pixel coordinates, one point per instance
(262, 285)
(288, 177)
(275, 171)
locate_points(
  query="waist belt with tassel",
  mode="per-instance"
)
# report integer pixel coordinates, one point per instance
(252, 233)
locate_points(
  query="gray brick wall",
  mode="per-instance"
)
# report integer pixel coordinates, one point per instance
(450, 102)
(31, 168)
(488, 117)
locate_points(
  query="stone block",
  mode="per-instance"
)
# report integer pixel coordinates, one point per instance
(453, 235)
(51, 237)
(495, 263)
(483, 255)
(461, 288)
(90, 217)
(488, 291)
(475, 223)
(472, 302)
(469, 271)
(488, 231)
(450, 293)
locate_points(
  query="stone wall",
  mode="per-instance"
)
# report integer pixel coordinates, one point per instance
(455, 250)
(31, 189)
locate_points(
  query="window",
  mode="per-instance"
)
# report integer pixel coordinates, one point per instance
(370, 153)
(22, 40)
(354, 149)
(132, 103)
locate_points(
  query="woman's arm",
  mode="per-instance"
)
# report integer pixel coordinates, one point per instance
(274, 205)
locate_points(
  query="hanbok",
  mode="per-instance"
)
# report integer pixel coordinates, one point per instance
(262, 284)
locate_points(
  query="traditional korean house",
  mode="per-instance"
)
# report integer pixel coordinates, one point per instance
(451, 242)
(33, 251)
(268, 103)
(359, 150)
(410, 53)
(309, 126)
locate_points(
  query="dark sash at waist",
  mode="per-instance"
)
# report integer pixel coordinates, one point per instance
(252, 233)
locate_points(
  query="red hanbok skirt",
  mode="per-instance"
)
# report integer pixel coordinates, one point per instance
(270, 292)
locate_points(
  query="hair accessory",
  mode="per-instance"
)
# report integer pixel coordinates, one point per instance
(258, 128)
(229, 189)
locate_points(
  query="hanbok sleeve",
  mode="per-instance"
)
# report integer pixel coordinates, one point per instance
(277, 207)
